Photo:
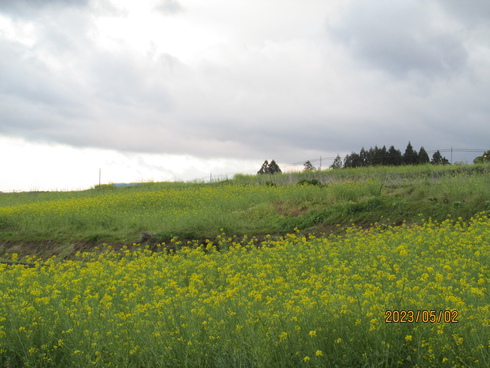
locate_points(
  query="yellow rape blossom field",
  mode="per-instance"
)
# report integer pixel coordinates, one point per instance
(406, 296)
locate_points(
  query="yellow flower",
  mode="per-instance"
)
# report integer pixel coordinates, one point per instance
(306, 359)
(283, 336)
(408, 337)
(319, 353)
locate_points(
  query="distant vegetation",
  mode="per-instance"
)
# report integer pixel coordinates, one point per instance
(364, 267)
(485, 158)
(389, 157)
(269, 168)
(47, 223)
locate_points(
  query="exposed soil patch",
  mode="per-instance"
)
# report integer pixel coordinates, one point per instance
(290, 209)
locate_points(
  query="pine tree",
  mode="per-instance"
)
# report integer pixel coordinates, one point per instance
(264, 169)
(347, 161)
(410, 156)
(438, 159)
(337, 163)
(423, 157)
(308, 166)
(354, 160)
(363, 157)
(274, 168)
(394, 157)
(384, 155)
(375, 156)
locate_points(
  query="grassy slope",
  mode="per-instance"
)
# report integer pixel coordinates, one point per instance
(47, 223)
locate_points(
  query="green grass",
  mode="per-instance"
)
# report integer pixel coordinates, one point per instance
(261, 271)
(60, 223)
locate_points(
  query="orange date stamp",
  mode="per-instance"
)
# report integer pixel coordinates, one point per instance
(425, 316)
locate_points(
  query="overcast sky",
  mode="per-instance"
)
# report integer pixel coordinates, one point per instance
(177, 89)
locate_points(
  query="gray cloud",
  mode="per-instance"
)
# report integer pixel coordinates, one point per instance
(470, 12)
(382, 73)
(400, 38)
(127, 80)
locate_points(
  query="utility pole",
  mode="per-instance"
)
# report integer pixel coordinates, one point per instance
(451, 155)
(100, 173)
(320, 169)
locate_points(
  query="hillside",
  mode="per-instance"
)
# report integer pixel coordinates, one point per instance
(318, 202)
(295, 270)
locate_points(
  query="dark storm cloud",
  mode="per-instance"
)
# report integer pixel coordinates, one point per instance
(399, 37)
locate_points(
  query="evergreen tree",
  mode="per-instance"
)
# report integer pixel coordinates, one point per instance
(377, 156)
(264, 169)
(274, 168)
(347, 161)
(356, 160)
(337, 163)
(352, 160)
(384, 156)
(394, 157)
(423, 157)
(438, 159)
(363, 157)
(410, 156)
(371, 156)
(308, 166)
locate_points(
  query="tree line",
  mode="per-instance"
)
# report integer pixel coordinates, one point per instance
(269, 168)
(378, 157)
(388, 157)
